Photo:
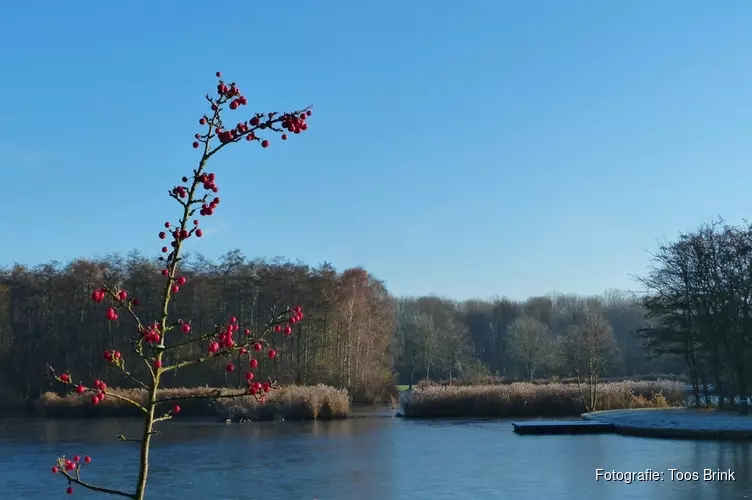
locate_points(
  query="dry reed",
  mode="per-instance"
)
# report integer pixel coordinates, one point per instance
(525, 399)
(290, 402)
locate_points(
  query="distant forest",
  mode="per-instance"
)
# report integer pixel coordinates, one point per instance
(696, 315)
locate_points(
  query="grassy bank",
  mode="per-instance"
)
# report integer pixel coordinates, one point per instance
(525, 399)
(291, 402)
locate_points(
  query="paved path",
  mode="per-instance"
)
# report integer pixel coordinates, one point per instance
(677, 423)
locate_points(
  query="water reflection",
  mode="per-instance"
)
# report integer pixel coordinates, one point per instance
(363, 459)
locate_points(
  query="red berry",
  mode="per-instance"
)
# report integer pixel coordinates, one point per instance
(76, 458)
(234, 105)
(272, 353)
(247, 331)
(112, 314)
(284, 137)
(277, 328)
(195, 144)
(87, 459)
(181, 280)
(95, 399)
(219, 74)
(176, 409)
(257, 347)
(233, 319)
(202, 121)
(162, 235)
(80, 389)
(288, 330)
(175, 289)
(167, 225)
(298, 309)
(253, 363)
(230, 367)
(157, 364)
(213, 347)
(266, 386)
(199, 233)
(69, 490)
(185, 327)
(249, 376)
(264, 143)
(55, 469)
(165, 272)
(308, 113)
(65, 377)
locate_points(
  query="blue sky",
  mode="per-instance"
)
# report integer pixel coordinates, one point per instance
(464, 149)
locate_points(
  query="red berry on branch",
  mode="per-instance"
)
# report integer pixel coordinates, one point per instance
(80, 389)
(199, 233)
(175, 410)
(202, 121)
(165, 249)
(76, 458)
(69, 490)
(195, 144)
(157, 364)
(112, 314)
(116, 354)
(185, 327)
(308, 113)
(249, 376)
(298, 309)
(266, 386)
(55, 469)
(95, 399)
(122, 295)
(219, 74)
(234, 105)
(181, 280)
(233, 319)
(277, 328)
(272, 353)
(167, 225)
(257, 347)
(243, 350)
(264, 143)
(135, 302)
(230, 367)
(253, 363)
(287, 330)
(213, 347)
(284, 137)
(165, 272)
(247, 332)
(175, 289)
(87, 459)
(65, 377)
(162, 235)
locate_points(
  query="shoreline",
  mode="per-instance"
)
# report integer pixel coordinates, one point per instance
(676, 423)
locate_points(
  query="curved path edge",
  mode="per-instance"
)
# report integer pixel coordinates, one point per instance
(676, 423)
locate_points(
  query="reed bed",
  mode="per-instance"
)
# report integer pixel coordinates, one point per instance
(522, 399)
(292, 402)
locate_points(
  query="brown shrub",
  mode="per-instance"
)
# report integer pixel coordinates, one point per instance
(525, 399)
(290, 402)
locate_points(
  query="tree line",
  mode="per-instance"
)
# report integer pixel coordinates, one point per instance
(356, 334)
(699, 307)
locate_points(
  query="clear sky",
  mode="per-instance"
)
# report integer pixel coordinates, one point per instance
(466, 149)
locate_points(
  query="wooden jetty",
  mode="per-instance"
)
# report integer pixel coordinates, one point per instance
(547, 427)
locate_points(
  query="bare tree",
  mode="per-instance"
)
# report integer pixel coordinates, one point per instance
(531, 342)
(588, 349)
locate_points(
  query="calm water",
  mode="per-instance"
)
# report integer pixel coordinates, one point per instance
(361, 459)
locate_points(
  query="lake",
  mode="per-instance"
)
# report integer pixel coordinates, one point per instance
(375, 457)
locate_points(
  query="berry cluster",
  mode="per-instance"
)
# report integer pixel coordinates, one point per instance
(70, 466)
